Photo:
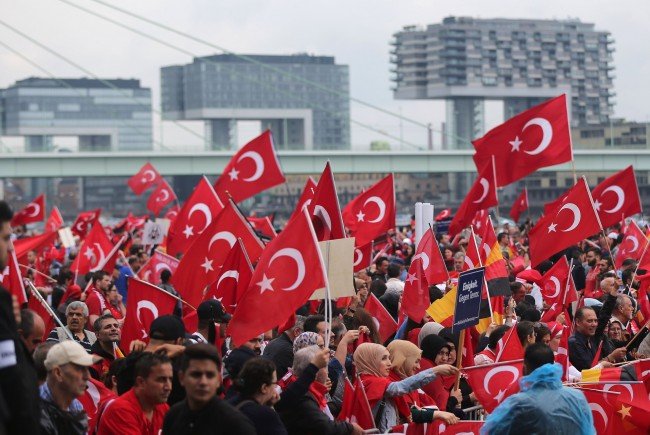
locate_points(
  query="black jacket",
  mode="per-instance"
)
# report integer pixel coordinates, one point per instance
(216, 418)
(264, 418)
(55, 421)
(280, 351)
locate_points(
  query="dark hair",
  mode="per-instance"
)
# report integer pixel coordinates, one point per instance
(596, 251)
(377, 288)
(541, 330)
(431, 345)
(5, 212)
(580, 313)
(133, 260)
(434, 293)
(380, 260)
(311, 323)
(497, 335)
(64, 275)
(147, 361)
(26, 322)
(515, 287)
(536, 355)
(524, 329)
(501, 236)
(365, 319)
(97, 325)
(200, 351)
(40, 353)
(165, 275)
(255, 373)
(393, 270)
(113, 370)
(99, 275)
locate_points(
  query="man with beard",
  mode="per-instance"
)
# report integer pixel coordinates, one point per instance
(592, 288)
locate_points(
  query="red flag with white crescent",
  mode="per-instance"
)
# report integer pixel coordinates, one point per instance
(12, 280)
(481, 196)
(84, 222)
(146, 177)
(54, 221)
(93, 252)
(305, 197)
(160, 197)
(158, 262)
(432, 262)
(633, 246)
(233, 280)
(617, 197)
(253, 169)
(325, 209)
(492, 383)
(371, 213)
(33, 212)
(520, 205)
(362, 257)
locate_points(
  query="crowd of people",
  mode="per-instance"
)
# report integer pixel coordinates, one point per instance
(75, 377)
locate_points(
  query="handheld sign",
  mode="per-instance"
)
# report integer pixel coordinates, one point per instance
(468, 299)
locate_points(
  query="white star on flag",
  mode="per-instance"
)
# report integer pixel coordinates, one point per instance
(499, 396)
(411, 278)
(551, 228)
(360, 216)
(265, 284)
(207, 265)
(233, 174)
(89, 253)
(515, 144)
(597, 205)
(188, 231)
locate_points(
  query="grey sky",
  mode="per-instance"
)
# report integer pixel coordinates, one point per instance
(356, 32)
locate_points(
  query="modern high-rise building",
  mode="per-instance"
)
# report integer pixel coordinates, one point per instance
(106, 115)
(466, 61)
(276, 90)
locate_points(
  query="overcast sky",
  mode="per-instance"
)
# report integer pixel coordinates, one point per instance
(356, 32)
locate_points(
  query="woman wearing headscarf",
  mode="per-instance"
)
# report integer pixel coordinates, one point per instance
(435, 352)
(414, 406)
(463, 397)
(372, 362)
(428, 329)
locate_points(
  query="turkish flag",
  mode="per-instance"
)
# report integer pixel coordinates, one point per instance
(617, 197)
(631, 417)
(432, 262)
(172, 212)
(355, 407)
(386, 325)
(280, 281)
(554, 280)
(135, 222)
(12, 280)
(93, 251)
(575, 220)
(233, 278)
(194, 217)
(372, 212)
(520, 205)
(633, 246)
(481, 196)
(325, 210)
(85, 221)
(36, 306)
(534, 139)
(509, 347)
(602, 409)
(467, 427)
(415, 299)
(200, 265)
(562, 355)
(35, 243)
(445, 214)
(33, 212)
(96, 393)
(146, 177)
(305, 197)
(472, 255)
(54, 221)
(492, 383)
(160, 197)
(556, 203)
(263, 226)
(145, 302)
(362, 257)
(253, 169)
(480, 219)
(158, 262)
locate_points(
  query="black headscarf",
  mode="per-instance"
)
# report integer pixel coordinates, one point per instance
(431, 346)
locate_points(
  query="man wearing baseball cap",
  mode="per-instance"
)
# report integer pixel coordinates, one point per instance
(67, 374)
(211, 315)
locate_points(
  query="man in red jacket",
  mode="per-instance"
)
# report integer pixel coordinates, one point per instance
(141, 410)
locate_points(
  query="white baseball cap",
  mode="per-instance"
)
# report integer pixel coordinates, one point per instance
(66, 352)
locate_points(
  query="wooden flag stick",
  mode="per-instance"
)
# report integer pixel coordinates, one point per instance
(48, 277)
(459, 356)
(49, 309)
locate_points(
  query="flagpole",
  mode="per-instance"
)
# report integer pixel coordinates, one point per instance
(173, 296)
(527, 203)
(487, 290)
(49, 309)
(496, 188)
(600, 224)
(639, 262)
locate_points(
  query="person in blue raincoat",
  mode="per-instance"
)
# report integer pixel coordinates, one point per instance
(543, 406)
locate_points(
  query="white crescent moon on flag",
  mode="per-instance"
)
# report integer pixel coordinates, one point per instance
(382, 208)
(620, 198)
(223, 235)
(297, 257)
(145, 304)
(102, 258)
(203, 208)
(228, 274)
(628, 387)
(486, 188)
(323, 215)
(161, 266)
(147, 172)
(164, 196)
(259, 164)
(558, 287)
(487, 250)
(547, 134)
(599, 410)
(576, 215)
(93, 392)
(468, 262)
(358, 256)
(37, 210)
(424, 258)
(636, 243)
(496, 370)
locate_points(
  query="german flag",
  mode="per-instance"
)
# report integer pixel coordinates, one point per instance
(496, 276)
(599, 375)
(442, 310)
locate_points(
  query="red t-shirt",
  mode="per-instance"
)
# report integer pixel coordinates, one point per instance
(124, 416)
(97, 304)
